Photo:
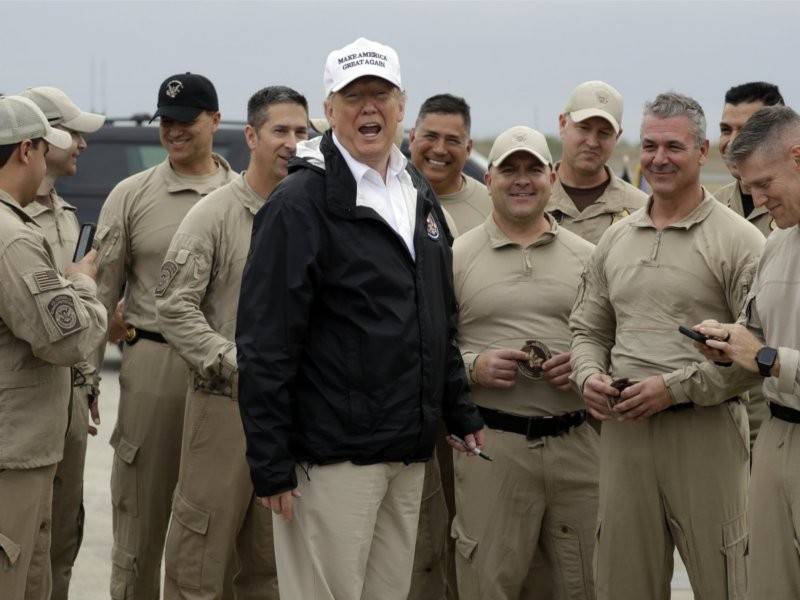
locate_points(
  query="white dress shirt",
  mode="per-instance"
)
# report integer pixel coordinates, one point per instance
(395, 200)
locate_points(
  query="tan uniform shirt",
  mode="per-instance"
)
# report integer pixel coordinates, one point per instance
(203, 274)
(731, 196)
(60, 228)
(641, 284)
(136, 225)
(47, 323)
(618, 201)
(773, 310)
(507, 295)
(469, 206)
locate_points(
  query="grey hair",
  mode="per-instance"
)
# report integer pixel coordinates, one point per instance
(765, 128)
(673, 104)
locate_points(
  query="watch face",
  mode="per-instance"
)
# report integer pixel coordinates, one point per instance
(765, 359)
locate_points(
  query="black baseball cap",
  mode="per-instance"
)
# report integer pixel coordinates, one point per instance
(182, 97)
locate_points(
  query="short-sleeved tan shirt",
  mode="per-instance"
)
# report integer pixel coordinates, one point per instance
(731, 196)
(642, 283)
(507, 295)
(135, 228)
(469, 206)
(619, 200)
(202, 272)
(47, 323)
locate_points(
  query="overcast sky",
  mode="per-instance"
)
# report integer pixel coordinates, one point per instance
(514, 62)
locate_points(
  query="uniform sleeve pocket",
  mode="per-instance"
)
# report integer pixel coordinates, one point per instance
(10, 552)
(186, 543)
(59, 307)
(735, 539)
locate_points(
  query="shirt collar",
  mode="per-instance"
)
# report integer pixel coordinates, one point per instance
(498, 239)
(10, 202)
(397, 162)
(698, 215)
(246, 195)
(204, 184)
(36, 208)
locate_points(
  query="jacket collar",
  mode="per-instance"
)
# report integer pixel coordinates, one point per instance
(642, 218)
(498, 239)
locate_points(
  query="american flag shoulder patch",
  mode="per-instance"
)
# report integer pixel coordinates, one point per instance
(47, 280)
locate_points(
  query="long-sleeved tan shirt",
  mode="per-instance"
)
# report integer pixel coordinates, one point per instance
(641, 284)
(203, 270)
(773, 312)
(469, 206)
(618, 201)
(731, 196)
(507, 295)
(135, 228)
(47, 323)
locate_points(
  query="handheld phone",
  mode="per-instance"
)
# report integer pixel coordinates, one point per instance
(85, 240)
(691, 333)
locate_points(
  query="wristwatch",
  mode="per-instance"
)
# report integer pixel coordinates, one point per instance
(765, 359)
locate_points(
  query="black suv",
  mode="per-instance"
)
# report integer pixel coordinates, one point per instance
(123, 147)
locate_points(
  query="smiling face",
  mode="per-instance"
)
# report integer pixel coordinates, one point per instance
(734, 116)
(189, 143)
(774, 181)
(520, 187)
(671, 159)
(365, 115)
(440, 145)
(587, 145)
(61, 163)
(275, 142)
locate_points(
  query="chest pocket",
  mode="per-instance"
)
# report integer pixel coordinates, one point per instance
(59, 308)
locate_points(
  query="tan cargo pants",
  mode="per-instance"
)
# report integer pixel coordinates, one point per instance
(25, 506)
(353, 533)
(775, 513)
(217, 524)
(68, 512)
(147, 449)
(539, 491)
(675, 479)
(757, 412)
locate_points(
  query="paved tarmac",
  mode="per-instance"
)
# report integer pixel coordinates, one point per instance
(93, 568)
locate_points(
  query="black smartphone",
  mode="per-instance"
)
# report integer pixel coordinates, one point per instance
(85, 240)
(691, 333)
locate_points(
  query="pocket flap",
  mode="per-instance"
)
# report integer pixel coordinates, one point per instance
(190, 516)
(734, 531)
(10, 548)
(123, 559)
(124, 449)
(465, 545)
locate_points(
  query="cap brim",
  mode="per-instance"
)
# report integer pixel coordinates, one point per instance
(499, 160)
(58, 138)
(358, 74)
(587, 113)
(184, 114)
(85, 122)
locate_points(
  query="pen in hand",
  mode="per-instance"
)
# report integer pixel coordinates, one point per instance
(476, 451)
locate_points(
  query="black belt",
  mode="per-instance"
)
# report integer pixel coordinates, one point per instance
(688, 405)
(784, 413)
(532, 427)
(133, 335)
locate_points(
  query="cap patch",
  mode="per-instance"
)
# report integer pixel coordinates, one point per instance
(602, 98)
(519, 137)
(174, 88)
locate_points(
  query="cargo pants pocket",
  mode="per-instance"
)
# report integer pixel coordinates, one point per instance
(569, 554)
(735, 538)
(9, 553)
(469, 585)
(124, 478)
(123, 574)
(186, 543)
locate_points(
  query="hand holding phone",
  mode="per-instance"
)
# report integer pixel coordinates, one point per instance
(695, 335)
(85, 240)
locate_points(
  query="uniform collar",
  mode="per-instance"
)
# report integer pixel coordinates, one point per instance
(397, 162)
(498, 239)
(203, 185)
(11, 204)
(36, 208)
(698, 215)
(611, 201)
(245, 194)
(735, 202)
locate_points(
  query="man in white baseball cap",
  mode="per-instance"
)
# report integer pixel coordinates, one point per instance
(49, 320)
(60, 228)
(344, 378)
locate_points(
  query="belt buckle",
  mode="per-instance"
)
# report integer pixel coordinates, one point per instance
(130, 335)
(532, 420)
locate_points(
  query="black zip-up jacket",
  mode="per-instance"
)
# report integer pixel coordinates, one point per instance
(346, 344)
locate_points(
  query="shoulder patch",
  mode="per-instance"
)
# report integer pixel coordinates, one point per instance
(63, 312)
(46, 280)
(168, 271)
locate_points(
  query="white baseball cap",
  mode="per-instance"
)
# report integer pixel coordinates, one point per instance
(362, 58)
(520, 139)
(595, 99)
(60, 110)
(21, 119)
